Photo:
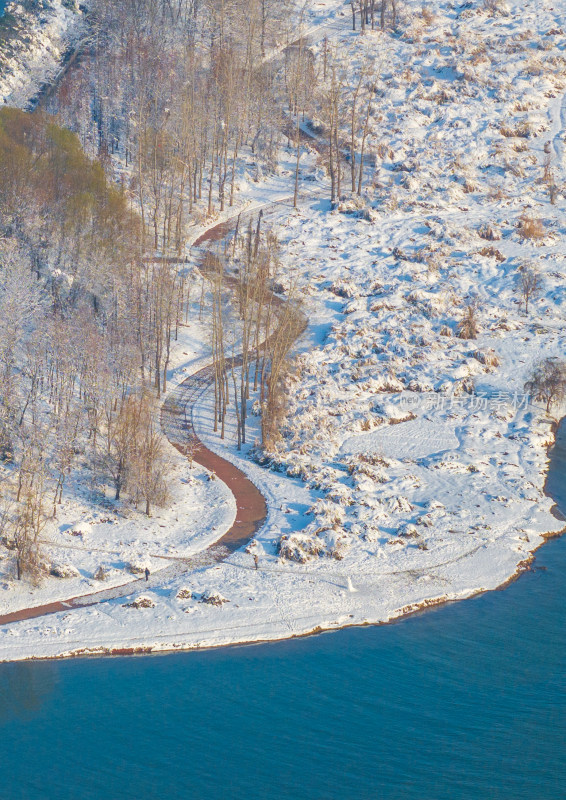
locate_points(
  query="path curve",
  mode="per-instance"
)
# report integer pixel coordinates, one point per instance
(177, 424)
(176, 421)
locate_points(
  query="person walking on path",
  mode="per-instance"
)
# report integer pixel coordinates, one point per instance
(256, 560)
(146, 574)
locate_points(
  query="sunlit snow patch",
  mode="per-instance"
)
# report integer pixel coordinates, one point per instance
(418, 438)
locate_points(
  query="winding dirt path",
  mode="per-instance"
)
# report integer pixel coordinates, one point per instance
(177, 424)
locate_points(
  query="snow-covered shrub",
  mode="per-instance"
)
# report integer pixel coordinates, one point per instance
(399, 505)
(137, 567)
(490, 232)
(531, 227)
(299, 547)
(336, 545)
(355, 305)
(468, 327)
(486, 357)
(213, 598)
(344, 289)
(340, 493)
(143, 601)
(386, 384)
(420, 386)
(327, 512)
(64, 571)
(392, 412)
(356, 206)
(521, 130)
(408, 531)
(497, 8)
(492, 252)
(463, 386)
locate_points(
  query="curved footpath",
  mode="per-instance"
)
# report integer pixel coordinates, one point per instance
(177, 424)
(176, 421)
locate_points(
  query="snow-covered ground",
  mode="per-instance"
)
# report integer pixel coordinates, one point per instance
(412, 464)
(90, 532)
(34, 39)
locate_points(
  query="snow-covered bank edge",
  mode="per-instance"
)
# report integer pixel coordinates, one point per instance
(144, 649)
(150, 639)
(287, 604)
(245, 634)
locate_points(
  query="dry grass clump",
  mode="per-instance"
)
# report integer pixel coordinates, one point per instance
(468, 327)
(515, 167)
(140, 602)
(497, 8)
(384, 151)
(492, 252)
(427, 16)
(487, 357)
(535, 67)
(442, 97)
(369, 423)
(299, 547)
(522, 130)
(344, 289)
(213, 598)
(489, 232)
(497, 194)
(531, 227)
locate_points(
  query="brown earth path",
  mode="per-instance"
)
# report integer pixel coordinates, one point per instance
(176, 420)
(177, 424)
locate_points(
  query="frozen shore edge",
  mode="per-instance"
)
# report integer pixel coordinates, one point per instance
(219, 639)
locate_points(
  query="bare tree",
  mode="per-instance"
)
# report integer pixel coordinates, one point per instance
(529, 284)
(548, 382)
(150, 463)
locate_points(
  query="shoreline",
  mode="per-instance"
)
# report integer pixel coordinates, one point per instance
(397, 615)
(407, 611)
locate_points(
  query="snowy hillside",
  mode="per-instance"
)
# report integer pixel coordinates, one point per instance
(34, 39)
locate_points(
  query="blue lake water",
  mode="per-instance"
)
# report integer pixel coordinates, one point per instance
(467, 702)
